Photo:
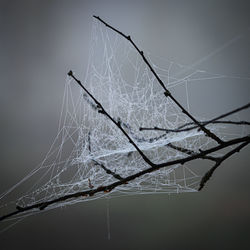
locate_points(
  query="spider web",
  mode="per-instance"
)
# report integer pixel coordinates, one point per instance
(88, 146)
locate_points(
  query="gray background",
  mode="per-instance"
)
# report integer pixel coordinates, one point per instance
(41, 40)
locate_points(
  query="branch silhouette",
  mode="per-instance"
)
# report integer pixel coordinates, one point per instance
(153, 167)
(167, 93)
(184, 127)
(189, 155)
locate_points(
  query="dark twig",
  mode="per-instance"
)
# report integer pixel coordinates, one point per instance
(183, 128)
(180, 149)
(166, 91)
(244, 141)
(42, 205)
(179, 130)
(209, 174)
(89, 142)
(117, 123)
(230, 113)
(153, 165)
(108, 171)
(189, 152)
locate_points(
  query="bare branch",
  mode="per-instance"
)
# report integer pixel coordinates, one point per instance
(117, 123)
(183, 128)
(190, 152)
(179, 130)
(209, 174)
(245, 140)
(166, 91)
(108, 171)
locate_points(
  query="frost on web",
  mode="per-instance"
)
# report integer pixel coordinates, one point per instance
(88, 146)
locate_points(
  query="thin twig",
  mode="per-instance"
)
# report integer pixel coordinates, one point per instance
(183, 128)
(190, 152)
(179, 130)
(117, 123)
(153, 167)
(166, 91)
(108, 171)
(89, 142)
(110, 187)
(209, 174)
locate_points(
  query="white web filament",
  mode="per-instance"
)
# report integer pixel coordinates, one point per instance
(89, 151)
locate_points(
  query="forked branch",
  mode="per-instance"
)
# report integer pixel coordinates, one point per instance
(166, 91)
(42, 205)
(101, 110)
(208, 175)
(240, 143)
(185, 127)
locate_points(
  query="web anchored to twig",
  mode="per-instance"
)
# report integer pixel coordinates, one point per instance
(116, 148)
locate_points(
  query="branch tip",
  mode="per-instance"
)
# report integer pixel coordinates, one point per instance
(70, 73)
(153, 167)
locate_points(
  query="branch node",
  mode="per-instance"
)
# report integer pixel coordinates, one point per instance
(167, 93)
(19, 208)
(101, 111)
(70, 73)
(43, 206)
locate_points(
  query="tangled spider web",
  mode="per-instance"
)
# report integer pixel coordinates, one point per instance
(89, 151)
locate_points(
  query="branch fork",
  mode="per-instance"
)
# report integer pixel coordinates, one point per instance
(190, 155)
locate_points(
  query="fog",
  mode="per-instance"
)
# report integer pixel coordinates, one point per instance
(42, 40)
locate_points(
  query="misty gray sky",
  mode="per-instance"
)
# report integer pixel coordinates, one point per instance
(41, 40)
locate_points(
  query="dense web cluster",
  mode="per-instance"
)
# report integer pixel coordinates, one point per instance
(89, 151)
